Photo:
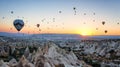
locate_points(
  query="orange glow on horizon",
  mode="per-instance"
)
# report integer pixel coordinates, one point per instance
(83, 32)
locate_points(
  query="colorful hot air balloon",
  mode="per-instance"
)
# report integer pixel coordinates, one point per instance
(19, 24)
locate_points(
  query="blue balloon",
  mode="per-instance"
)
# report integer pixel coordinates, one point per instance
(19, 24)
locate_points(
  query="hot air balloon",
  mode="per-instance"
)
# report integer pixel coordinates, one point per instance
(10, 28)
(39, 29)
(47, 22)
(11, 12)
(60, 11)
(38, 25)
(53, 19)
(3, 17)
(84, 23)
(19, 24)
(23, 17)
(103, 22)
(106, 31)
(43, 20)
(84, 13)
(74, 8)
(96, 28)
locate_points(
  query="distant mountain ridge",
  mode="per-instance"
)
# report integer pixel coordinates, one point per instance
(58, 36)
(11, 34)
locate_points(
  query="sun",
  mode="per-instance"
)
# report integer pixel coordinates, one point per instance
(85, 32)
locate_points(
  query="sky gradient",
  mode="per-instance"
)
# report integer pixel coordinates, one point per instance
(87, 21)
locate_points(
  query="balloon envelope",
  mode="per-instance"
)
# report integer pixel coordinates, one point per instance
(19, 24)
(11, 12)
(106, 31)
(60, 11)
(74, 8)
(38, 25)
(103, 22)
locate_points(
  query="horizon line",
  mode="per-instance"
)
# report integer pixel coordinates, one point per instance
(57, 33)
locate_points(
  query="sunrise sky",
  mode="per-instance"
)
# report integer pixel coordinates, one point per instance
(58, 16)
